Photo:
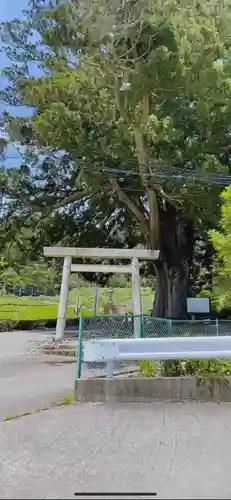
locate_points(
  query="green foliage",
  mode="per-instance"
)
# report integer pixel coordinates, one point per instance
(221, 240)
(188, 367)
(148, 368)
(68, 399)
(82, 108)
(119, 281)
(8, 418)
(133, 98)
(38, 275)
(17, 263)
(172, 368)
(11, 277)
(87, 97)
(7, 325)
(202, 367)
(198, 367)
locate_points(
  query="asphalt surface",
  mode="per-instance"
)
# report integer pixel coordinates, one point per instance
(176, 450)
(17, 343)
(27, 381)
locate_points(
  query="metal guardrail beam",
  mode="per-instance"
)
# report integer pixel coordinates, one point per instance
(110, 350)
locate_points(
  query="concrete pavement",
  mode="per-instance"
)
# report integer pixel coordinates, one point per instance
(176, 450)
(26, 385)
(16, 343)
(27, 381)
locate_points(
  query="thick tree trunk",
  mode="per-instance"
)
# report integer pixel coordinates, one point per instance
(172, 286)
(176, 238)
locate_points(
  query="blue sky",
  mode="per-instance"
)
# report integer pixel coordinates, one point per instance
(9, 9)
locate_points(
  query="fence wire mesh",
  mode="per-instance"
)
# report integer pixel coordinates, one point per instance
(122, 326)
(104, 327)
(155, 327)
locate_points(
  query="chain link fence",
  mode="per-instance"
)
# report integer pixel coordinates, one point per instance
(157, 327)
(122, 326)
(104, 327)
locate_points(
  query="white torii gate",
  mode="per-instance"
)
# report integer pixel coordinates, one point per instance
(67, 253)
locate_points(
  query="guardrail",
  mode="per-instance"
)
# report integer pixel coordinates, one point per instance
(121, 327)
(110, 351)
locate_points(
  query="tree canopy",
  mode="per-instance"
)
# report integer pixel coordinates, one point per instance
(130, 125)
(221, 239)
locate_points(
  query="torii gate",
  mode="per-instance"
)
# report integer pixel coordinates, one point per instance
(67, 253)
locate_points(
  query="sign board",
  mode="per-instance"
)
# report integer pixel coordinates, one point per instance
(198, 305)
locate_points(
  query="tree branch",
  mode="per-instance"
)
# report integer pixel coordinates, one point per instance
(71, 198)
(139, 215)
(35, 207)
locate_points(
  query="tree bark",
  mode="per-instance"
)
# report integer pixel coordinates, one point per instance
(176, 237)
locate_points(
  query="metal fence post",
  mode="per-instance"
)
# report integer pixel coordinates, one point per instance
(136, 299)
(217, 326)
(110, 366)
(80, 347)
(169, 327)
(142, 326)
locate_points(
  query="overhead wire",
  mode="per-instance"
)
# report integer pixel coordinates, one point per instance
(164, 173)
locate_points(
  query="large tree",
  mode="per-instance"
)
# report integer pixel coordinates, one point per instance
(137, 95)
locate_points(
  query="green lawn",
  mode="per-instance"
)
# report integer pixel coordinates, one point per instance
(41, 308)
(121, 297)
(28, 308)
(19, 310)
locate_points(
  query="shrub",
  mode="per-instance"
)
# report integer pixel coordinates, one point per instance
(221, 366)
(148, 368)
(7, 325)
(171, 368)
(187, 367)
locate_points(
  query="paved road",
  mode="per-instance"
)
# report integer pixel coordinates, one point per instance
(176, 450)
(17, 343)
(30, 382)
(33, 384)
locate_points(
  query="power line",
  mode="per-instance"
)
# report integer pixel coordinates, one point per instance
(164, 173)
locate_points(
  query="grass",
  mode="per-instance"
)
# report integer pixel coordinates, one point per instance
(122, 297)
(8, 418)
(34, 309)
(44, 308)
(68, 399)
(33, 312)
